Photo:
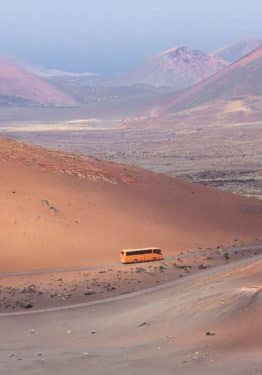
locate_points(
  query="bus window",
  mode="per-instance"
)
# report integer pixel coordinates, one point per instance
(139, 252)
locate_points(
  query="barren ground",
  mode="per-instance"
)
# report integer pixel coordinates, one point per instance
(202, 324)
(206, 320)
(36, 290)
(60, 210)
(227, 156)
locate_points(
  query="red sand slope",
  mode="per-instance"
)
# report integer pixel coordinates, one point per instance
(61, 210)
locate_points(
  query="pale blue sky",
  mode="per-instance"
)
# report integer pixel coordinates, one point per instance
(110, 36)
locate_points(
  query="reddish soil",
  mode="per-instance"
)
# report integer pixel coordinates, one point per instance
(61, 210)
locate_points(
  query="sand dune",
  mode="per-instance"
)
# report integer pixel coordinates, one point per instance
(61, 210)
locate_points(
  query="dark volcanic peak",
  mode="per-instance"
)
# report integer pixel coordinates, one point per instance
(19, 86)
(241, 79)
(178, 67)
(238, 49)
(185, 54)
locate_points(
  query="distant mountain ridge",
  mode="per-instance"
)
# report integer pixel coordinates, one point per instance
(178, 67)
(241, 79)
(238, 49)
(19, 86)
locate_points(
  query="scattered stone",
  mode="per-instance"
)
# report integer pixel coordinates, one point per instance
(144, 324)
(162, 268)
(47, 204)
(183, 267)
(210, 333)
(31, 289)
(140, 269)
(27, 305)
(226, 256)
(54, 209)
(89, 292)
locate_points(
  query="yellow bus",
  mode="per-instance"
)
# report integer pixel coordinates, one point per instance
(141, 255)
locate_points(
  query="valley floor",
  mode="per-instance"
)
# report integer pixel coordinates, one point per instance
(201, 312)
(227, 156)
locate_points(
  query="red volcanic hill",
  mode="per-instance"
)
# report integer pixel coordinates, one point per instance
(177, 67)
(63, 210)
(241, 79)
(238, 49)
(20, 86)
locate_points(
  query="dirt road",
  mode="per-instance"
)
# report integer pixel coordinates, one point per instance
(194, 325)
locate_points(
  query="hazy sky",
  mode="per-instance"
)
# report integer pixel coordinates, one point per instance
(110, 36)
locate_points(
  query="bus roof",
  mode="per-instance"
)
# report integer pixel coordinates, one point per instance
(143, 248)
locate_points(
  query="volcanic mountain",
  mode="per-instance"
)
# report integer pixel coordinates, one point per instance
(239, 80)
(19, 86)
(177, 67)
(238, 49)
(63, 210)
